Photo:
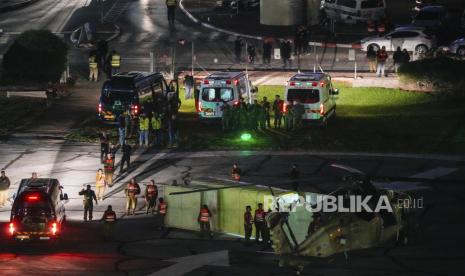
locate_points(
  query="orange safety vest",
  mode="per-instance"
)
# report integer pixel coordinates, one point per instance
(152, 190)
(109, 164)
(259, 216)
(204, 215)
(110, 216)
(162, 207)
(132, 189)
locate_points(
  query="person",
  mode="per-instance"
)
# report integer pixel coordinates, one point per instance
(266, 56)
(288, 116)
(236, 172)
(132, 190)
(162, 211)
(156, 128)
(93, 67)
(151, 195)
(89, 195)
(121, 128)
(405, 56)
(254, 116)
(104, 146)
(238, 49)
(278, 105)
(109, 168)
(144, 123)
(172, 131)
(134, 123)
(294, 175)
(115, 62)
(109, 221)
(126, 158)
(260, 224)
(4, 188)
(102, 51)
(171, 7)
(189, 85)
(371, 56)
(381, 58)
(100, 184)
(34, 176)
(251, 53)
(226, 118)
(299, 111)
(397, 58)
(248, 224)
(266, 108)
(204, 221)
(286, 54)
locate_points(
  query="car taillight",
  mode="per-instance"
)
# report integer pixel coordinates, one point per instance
(322, 109)
(228, 81)
(206, 82)
(292, 83)
(99, 108)
(54, 228)
(284, 108)
(135, 108)
(11, 228)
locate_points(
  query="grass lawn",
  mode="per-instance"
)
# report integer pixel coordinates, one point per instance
(368, 119)
(17, 111)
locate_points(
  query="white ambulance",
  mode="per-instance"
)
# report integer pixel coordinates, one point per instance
(317, 95)
(222, 88)
(352, 11)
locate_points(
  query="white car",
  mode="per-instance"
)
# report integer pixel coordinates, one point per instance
(410, 38)
(458, 47)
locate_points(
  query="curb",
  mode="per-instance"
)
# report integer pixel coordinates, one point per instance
(209, 26)
(17, 5)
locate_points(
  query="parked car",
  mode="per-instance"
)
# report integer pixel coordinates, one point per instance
(431, 17)
(458, 47)
(414, 39)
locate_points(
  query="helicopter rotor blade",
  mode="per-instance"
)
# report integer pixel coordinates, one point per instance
(348, 169)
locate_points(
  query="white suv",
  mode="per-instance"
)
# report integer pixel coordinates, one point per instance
(410, 38)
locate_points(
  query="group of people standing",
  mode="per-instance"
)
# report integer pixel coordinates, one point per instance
(101, 60)
(377, 59)
(285, 47)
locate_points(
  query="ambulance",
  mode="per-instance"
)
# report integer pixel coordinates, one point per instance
(317, 95)
(219, 89)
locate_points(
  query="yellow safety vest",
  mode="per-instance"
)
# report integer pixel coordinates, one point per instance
(115, 60)
(92, 62)
(143, 123)
(170, 2)
(156, 123)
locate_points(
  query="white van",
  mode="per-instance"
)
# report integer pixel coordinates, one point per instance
(316, 93)
(353, 11)
(222, 88)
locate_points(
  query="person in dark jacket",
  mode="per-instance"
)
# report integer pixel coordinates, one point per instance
(126, 158)
(4, 188)
(371, 56)
(267, 52)
(104, 146)
(397, 59)
(89, 196)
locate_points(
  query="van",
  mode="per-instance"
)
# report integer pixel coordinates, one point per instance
(38, 211)
(219, 89)
(124, 91)
(353, 11)
(317, 95)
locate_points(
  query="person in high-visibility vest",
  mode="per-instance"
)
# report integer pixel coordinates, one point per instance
(248, 224)
(144, 124)
(93, 68)
(162, 211)
(109, 168)
(100, 184)
(236, 172)
(260, 224)
(204, 221)
(132, 190)
(109, 220)
(151, 194)
(171, 6)
(156, 128)
(115, 62)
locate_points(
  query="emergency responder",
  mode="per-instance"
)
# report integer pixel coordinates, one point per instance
(109, 168)
(371, 56)
(294, 175)
(109, 221)
(288, 115)
(93, 67)
(126, 149)
(162, 211)
(204, 221)
(115, 62)
(151, 195)
(227, 116)
(156, 128)
(131, 191)
(248, 224)
(171, 6)
(266, 108)
(144, 123)
(381, 57)
(299, 111)
(104, 146)
(260, 224)
(278, 105)
(100, 184)
(89, 195)
(236, 172)
(4, 188)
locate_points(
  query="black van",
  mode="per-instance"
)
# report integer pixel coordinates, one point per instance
(38, 211)
(124, 90)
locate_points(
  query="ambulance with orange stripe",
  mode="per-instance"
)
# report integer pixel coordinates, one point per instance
(316, 93)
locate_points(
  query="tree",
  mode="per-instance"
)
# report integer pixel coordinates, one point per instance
(35, 56)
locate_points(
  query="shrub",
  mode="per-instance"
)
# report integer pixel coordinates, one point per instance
(35, 56)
